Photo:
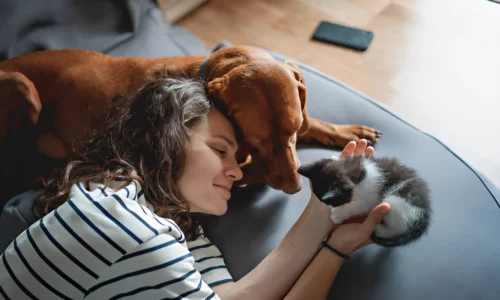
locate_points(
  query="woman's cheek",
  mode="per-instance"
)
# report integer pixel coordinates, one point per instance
(217, 163)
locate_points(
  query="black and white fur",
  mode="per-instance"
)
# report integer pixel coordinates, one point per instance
(369, 182)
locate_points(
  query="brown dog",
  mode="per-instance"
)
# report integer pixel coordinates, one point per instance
(49, 100)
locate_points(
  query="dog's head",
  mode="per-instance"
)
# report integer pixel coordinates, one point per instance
(267, 99)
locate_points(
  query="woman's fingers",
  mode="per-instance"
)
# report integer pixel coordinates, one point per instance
(369, 152)
(375, 217)
(361, 147)
(348, 149)
(371, 222)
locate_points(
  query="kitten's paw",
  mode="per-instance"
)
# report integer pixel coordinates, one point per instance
(337, 215)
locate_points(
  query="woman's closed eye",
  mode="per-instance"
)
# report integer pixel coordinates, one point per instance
(222, 151)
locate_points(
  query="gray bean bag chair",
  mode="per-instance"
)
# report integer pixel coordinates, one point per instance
(458, 259)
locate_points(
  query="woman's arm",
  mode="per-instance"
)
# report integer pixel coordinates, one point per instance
(283, 266)
(317, 279)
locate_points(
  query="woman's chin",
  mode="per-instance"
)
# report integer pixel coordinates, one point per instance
(220, 210)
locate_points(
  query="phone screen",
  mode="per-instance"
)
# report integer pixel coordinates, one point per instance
(341, 35)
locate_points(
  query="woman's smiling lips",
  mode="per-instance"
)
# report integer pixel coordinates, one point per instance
(226, 189)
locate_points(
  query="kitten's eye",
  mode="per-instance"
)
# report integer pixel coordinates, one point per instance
(329, 195)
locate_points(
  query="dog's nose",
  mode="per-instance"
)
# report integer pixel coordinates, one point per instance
(284, 178)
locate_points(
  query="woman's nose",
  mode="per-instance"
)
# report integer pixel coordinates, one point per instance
(233, 170)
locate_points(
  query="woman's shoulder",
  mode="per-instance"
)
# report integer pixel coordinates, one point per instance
(95, 234)
(123, 208)
(96, 191)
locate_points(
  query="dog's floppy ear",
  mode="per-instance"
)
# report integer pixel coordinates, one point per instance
(20, 104)
(217, 87)
(302, 95)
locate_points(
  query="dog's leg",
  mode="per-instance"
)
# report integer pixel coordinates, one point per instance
(340, 135)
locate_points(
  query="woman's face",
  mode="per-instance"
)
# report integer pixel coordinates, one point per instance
(211, 166)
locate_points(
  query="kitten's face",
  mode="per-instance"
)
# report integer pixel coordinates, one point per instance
(330, 182)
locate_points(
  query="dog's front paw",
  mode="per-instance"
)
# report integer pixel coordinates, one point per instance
(338, 135)
(341, 135)
(338, 215)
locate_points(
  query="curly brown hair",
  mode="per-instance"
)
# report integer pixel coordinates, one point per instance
(145, 140)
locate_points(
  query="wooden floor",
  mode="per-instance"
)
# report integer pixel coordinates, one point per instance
(435, 63)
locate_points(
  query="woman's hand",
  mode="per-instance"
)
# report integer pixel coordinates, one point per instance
(355, 232)
(358, 149)
(347, 238)
(351, 149)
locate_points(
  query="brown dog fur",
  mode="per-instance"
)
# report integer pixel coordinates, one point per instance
(50, 99)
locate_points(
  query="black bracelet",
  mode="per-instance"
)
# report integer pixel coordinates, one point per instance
(344, 256)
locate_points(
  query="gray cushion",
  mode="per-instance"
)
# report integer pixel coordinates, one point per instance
(458, 259)
(16, 217)
(120, 28)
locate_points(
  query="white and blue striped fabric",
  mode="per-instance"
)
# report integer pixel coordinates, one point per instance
(107, 244)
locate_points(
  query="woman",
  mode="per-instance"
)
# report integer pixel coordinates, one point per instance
(117, 222)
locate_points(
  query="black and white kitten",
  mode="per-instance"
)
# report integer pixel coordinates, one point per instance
(369, 182)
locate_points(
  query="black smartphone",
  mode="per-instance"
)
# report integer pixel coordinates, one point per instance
(341, 35)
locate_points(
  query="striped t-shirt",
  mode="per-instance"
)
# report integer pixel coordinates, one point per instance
(107, 244)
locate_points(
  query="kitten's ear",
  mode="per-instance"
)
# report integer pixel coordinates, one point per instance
(313, 168)
(347, 184)
(307, 170)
